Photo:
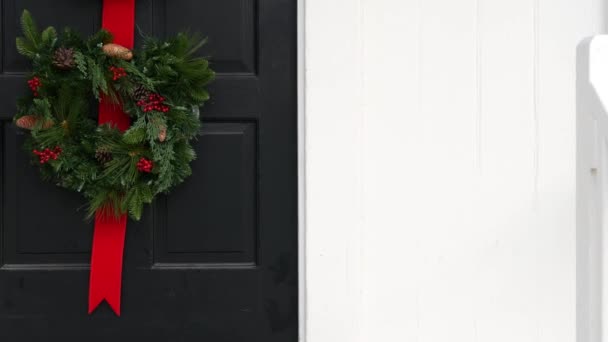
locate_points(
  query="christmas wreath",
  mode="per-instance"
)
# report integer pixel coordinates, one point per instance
(160, 87)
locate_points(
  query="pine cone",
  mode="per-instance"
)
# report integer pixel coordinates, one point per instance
(30, 121)
(117, 51)
(63, 58)
(140, 93)
(162, 135)
(103, 155)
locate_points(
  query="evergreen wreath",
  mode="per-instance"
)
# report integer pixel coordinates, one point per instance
(161, 87)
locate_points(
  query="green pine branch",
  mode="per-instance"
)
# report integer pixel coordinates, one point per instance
(29, 29)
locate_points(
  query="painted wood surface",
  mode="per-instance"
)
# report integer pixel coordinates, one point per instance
(441, 169)
(592, 187)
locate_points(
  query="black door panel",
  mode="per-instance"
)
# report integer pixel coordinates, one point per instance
(216, 260)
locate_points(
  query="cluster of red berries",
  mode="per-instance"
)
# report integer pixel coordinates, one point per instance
(145, 165)
(48, 154)
(153, 102)
(34, 84)
(117, 72)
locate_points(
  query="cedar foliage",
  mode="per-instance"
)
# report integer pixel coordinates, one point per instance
(168, 68)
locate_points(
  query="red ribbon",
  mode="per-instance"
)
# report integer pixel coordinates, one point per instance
(106, 260)
(109, 236)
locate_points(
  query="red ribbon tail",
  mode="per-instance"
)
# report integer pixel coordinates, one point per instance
(106, 260)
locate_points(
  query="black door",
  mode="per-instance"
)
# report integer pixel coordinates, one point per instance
(214, 261)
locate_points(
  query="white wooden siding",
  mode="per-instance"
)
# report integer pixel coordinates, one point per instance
(440, 169)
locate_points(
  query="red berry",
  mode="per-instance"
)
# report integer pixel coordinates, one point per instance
(145, 165)
(154, 102)
(48, 154)
(117, 73)
(34, 84)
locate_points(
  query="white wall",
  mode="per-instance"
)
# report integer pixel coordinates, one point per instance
(440, 168)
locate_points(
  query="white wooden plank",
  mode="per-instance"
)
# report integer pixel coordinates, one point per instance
(333, 145)
(394, 166)
(563, 25)
(505, 307)
(419, 87)
(440, 169)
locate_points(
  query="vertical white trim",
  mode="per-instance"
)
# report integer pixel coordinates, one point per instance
(592, 125)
